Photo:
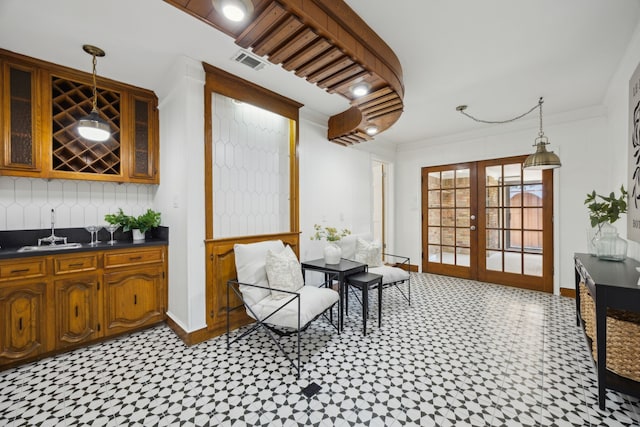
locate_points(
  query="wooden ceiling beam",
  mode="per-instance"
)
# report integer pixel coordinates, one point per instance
(327, 43)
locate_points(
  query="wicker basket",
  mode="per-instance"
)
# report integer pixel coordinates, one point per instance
(623, 336)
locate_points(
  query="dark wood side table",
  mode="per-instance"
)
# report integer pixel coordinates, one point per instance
(364, 281)
(612, 285)
(343, 269)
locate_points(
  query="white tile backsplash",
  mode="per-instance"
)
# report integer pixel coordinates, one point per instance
(26, 203)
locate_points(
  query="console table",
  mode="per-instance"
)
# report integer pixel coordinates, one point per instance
(612, 285)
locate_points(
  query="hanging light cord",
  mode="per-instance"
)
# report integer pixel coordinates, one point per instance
(461, 109)
(95, 91)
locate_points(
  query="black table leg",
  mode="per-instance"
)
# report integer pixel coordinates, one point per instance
(365, 307)
(380, 303)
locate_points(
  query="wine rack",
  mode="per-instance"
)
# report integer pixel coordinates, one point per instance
(70, 102)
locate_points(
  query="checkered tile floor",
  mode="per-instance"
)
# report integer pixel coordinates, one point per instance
(464, 353)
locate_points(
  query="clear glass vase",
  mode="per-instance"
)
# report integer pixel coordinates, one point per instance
(609, 245)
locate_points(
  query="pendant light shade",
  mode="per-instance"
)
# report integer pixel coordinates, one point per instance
(93, 127)
(542, 159)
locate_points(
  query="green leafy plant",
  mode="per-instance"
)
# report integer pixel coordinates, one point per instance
(144, 222)
(330, 234)
(608, 209)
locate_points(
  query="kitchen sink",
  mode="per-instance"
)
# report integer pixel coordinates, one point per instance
(50, 247)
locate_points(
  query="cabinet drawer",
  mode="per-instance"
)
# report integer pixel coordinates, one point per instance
(141, 256)
(19, 269)
(75, 263)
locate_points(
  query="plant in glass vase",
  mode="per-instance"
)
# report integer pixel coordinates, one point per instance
(332, 252)
(603, 212)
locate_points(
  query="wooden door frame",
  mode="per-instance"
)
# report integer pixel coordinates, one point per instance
(447, 269)
(477, 269)
(545, 283)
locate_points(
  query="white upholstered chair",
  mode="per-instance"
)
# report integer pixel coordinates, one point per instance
(387, 265)
(271, 287)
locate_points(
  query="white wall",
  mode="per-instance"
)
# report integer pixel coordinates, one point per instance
(577, 138)
(617, 139)
(181, 192)
(335, 186)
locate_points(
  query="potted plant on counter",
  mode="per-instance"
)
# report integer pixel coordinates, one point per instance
(138, 225)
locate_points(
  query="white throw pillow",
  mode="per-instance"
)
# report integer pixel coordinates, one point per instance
(369, 253)
(283, 272)
(250, 261)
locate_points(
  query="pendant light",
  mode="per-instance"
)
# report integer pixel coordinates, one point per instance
(541, 159)
(93, 127)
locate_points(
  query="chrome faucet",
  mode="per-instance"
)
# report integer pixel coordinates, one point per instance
(53, 238)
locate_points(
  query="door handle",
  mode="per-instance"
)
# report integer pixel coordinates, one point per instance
(473, 227)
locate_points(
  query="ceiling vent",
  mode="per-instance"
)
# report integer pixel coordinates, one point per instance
(249, 59)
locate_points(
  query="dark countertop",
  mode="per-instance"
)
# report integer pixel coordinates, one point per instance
(11, 241)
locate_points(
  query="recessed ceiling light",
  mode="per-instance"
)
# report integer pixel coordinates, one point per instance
(234, 10)
(371, 130)
(360, 89)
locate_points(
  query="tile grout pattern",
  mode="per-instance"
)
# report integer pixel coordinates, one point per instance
(464, 354)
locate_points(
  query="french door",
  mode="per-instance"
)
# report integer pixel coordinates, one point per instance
(490, 221)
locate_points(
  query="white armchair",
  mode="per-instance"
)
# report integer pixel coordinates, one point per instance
(394, 269)
(270, 285)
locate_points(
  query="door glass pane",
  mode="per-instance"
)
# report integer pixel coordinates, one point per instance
(434, 217)
(513, 262)
(434, 235)
(513, 239)
(532, 195)
(434, 198)
(514, 218)
(462, 218)
(434, 253)
(448, 217)
(448, 236)
(494, 239)
(463, 237)
(448, 255)
(463, 198)
(447, 179)
(533, 264)
(493, 261)
(531, 176)
(513, 195)
(533, 240)
(494, 175)
(494, 218)
(462, 178)
(532, 218)
(512, 173)
(463, 257)
(448, 198)
(433, 181)
(493, 196)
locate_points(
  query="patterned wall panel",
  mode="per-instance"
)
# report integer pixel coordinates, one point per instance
(26, 203)
(250, 170)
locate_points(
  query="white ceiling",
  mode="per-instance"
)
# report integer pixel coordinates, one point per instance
(497, 56)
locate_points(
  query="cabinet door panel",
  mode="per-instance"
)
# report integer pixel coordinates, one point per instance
(20, 120)
(134, 298)
(77, 316)
(23, 321)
